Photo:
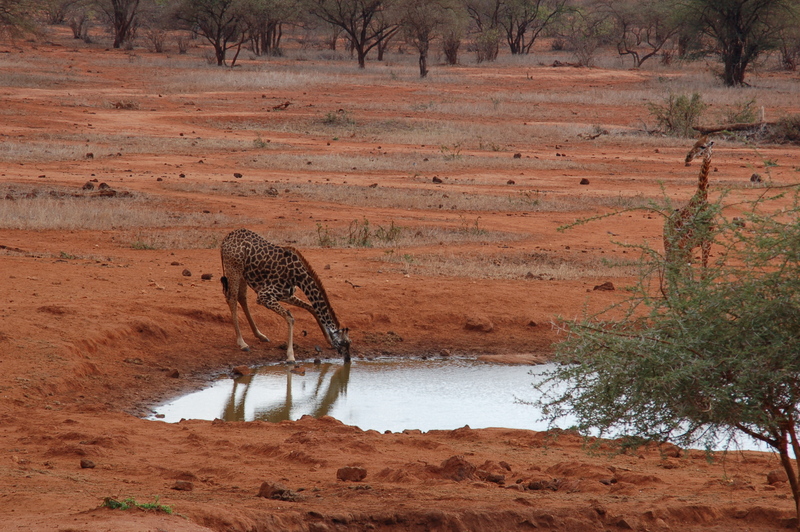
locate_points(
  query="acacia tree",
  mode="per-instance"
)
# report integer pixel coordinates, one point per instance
(364, 21)
(423, 21)
(220, 22)
(523, 21)
(742, 29)
(713, 360)
(264, 20)
(15, 19)
(121, 15)
(642, 27)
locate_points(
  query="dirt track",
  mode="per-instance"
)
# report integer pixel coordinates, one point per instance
(93, 331)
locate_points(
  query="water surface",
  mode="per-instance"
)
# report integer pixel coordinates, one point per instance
(388, 394)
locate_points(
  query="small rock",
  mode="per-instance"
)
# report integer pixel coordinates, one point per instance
(270, 490)
(88, 186)
(183, 485)
(90, 155)
(458, 468)
(103, 186)
(755, 178)
(237, 175)
(87, 464)
(207, 276)
(511, 182)
(186, 273)
(173, 374)
(517, 156)
(436, 179)
(584, 181)
(374, 185)
(671, 450)
(479, 323)
(351, 474)
(777, 475)
(608, 285)
(242, 370)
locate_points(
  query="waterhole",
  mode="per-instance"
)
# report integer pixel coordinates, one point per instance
(381, 395)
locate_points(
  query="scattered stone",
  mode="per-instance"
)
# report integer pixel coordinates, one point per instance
(777, 475)
(584, 181)
(486, 476)
(608, 285)
(670, 450)
(207, 276)
(270, 490)
(87, 464)
(186, 273)
(242, 370)
(173, 374)
(351, 474)
(755, 178)
(181, 175)
(511, 182)
(374, 185)
(103, 186)
(436, 179)
(237, 175)
(88, 186)
(517, 156)
(479, 323)
(183, 485)
(90, 155)
(458, 468)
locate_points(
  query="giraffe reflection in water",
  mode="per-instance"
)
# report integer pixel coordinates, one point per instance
(326, 388)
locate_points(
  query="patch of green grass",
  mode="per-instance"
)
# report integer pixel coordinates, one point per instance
(130, 503)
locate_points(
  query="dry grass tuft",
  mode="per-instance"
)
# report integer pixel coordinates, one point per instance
(52, 208)
(527, 266)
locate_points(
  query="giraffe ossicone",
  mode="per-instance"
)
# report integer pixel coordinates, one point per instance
(274, 272)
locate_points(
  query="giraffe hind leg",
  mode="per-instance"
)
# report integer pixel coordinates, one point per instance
(231, 288)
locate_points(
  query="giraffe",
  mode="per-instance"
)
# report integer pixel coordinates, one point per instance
(274, 272)
(696, 150)
(689, 227)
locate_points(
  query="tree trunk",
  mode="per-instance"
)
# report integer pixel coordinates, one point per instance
(362, 55)
(423, 58)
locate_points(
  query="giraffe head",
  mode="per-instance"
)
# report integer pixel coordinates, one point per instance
(340, 340)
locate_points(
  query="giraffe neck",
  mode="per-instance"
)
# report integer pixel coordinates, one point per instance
(702, 178)
(306, 279)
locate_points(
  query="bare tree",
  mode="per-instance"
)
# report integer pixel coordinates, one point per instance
(742, 29)
(57, 11)
(15, 18)
(523, 21)
(264, 21)
(642, 27)
(424, 20)
(485, 15)
(220, 22)
(122, 17)
(364, 21)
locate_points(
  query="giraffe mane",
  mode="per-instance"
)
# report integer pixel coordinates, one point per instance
(317, 281)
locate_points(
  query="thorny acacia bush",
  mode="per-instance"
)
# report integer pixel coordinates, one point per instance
(678, 114)
(711, 360)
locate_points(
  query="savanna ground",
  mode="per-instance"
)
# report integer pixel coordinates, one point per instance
(430, 235)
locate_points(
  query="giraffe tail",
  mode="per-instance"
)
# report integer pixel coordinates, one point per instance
(224, 281)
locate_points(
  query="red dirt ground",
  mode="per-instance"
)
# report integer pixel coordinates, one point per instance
(86, 344)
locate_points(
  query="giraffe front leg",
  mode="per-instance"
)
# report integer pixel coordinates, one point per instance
(289, 341)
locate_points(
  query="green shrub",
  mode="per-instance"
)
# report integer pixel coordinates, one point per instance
(679, 114)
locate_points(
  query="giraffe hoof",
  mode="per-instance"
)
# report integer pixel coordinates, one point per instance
(245, 348)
